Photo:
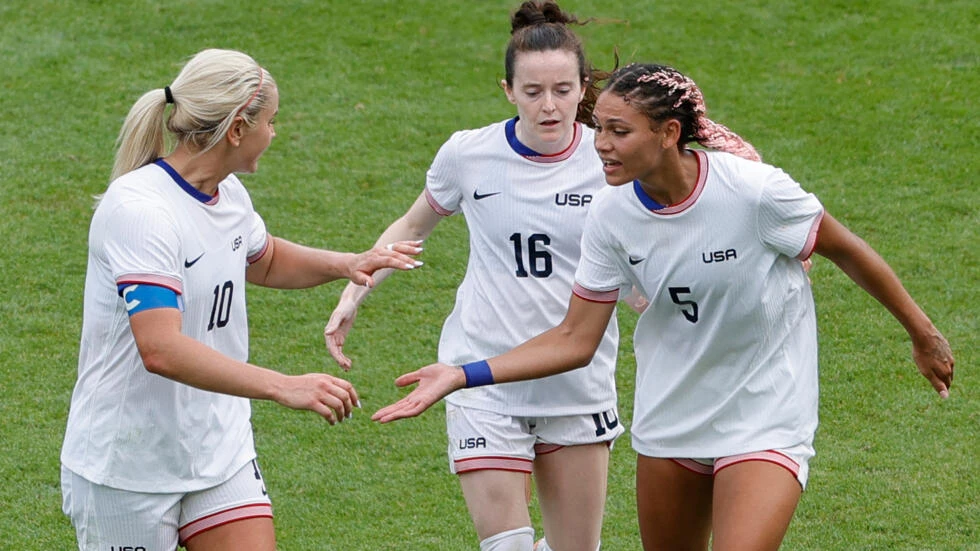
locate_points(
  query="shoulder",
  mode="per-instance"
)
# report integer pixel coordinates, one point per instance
(232, 188)
(140, 188)
(610, 198)
(742, 173)
(478, 136)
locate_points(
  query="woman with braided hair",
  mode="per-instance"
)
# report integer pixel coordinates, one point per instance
(524, 186)
(726, 384)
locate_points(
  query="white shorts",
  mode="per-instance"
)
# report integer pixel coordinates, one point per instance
(480, 439)
(796, 460)
(109, 518)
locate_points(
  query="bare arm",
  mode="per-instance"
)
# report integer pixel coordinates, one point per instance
(167, 352)
(569, 345)
(415, 225)
(288, 265)
(861, 263)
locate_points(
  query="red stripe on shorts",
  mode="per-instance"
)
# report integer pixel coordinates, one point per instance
(770, 456)
(214, 520)
(492, 463)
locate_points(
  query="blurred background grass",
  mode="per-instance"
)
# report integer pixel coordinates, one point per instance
(870, 105)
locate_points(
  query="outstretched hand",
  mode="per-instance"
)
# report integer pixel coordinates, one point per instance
(335, 333)
(934, 358)
(434, 381)
(398, 255)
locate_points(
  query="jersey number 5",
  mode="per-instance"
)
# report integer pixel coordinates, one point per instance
(675, 295)
(538, 258)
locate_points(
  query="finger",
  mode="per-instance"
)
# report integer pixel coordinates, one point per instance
(408, 379)
(325, 412)
(335, 347)
(940, 387)
(406, 247)
(342, 397)
(336, 405)
(352, 392)
(401, 409)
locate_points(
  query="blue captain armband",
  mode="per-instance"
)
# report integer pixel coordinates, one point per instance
(144, 296)
(478, 374)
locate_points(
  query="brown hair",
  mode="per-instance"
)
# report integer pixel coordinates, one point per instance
(542, 26)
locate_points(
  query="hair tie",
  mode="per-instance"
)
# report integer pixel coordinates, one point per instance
(168, 94)
(537, 18)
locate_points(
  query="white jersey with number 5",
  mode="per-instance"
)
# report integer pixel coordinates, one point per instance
(129, 428)
(727, 350)
(525, 215)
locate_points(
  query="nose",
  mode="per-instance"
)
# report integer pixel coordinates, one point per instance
(600, 142)
(549, 102)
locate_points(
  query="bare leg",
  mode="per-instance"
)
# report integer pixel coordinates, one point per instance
(571, 485)
(496, 499)
(753, 506)
(673, 505)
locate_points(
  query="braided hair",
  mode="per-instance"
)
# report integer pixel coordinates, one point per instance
(661, 92)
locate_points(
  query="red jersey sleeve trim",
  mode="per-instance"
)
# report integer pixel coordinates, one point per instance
(168, 282)
(595, 296)
(435, 204)
(811, 238)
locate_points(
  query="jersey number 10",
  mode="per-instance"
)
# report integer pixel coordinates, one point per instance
(221, 307)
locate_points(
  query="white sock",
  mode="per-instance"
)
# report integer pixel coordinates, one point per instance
(518, 539)
(542, 545)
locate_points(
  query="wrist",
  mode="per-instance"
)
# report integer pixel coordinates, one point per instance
(477, 374)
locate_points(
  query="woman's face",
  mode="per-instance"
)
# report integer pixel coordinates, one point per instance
(546, 90)
(257, 138)
(629, 148)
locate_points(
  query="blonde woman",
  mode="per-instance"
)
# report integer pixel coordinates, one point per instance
(158, 450)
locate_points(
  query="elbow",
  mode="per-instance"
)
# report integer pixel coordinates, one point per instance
(584, 358)
(156, 361)
(579, 350)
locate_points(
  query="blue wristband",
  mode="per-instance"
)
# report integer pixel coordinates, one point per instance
(478, 374)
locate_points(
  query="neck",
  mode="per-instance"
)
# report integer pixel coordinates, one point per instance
(204, 171)
(544, 148)
(674, 180)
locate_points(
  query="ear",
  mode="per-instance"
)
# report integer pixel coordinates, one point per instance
(584, 86)
(508, 91)
(672, 133)
(236, 131)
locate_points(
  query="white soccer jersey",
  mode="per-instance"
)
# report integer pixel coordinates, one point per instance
(525, 215)
(727, 350)
(131, 429)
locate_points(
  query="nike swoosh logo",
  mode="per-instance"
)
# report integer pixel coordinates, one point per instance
(635, 261)
(189, 263)
(478, 196)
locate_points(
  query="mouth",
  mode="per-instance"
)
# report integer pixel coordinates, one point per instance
(610, 166)
(550, 123)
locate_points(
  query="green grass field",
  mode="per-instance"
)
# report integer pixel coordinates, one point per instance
(871, 105)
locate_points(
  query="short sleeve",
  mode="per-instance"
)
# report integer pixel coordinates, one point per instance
(598, 269)
(258, 239)
(442, 179)
(788, 216)
(142, 245)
